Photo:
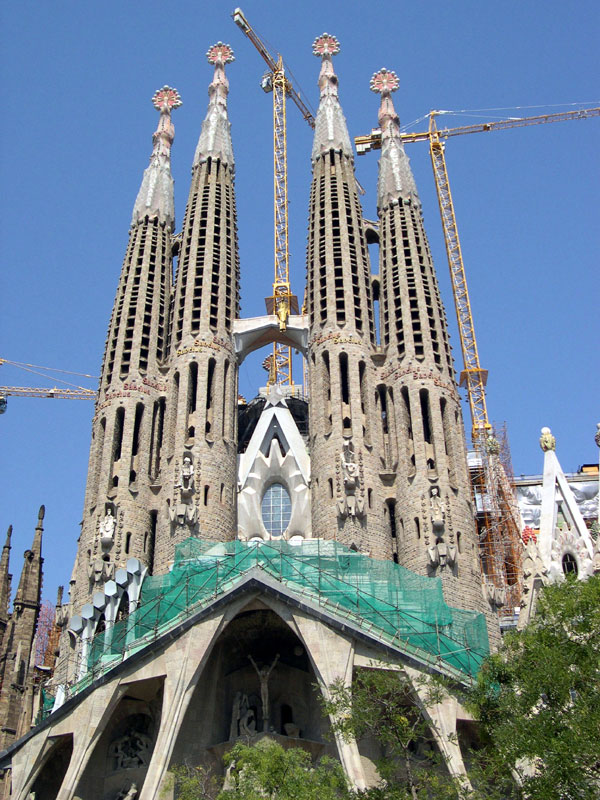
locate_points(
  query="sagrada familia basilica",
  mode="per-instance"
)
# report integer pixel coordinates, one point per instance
(236, 559)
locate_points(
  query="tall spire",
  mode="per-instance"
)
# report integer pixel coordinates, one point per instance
(155, 198)
(30, 583)
(395, 175)
(215, 136)
(331, 131)
(18, 639)
(5, 580)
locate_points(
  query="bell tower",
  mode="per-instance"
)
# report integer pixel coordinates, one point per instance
(433, 512)
(127, 429)
(341, 335)
(201, 424)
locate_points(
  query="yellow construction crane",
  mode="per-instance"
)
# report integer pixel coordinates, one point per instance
(497, 514)
(58, 393)
(282, 302)
(472, 376)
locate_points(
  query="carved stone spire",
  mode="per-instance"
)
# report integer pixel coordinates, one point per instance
(215, 136)
(395, 175)
(155, 198)
(5, 583)
(331, 131)
(18, 641)
(30, 583)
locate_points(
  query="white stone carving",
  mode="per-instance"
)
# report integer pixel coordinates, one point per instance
(264, 463)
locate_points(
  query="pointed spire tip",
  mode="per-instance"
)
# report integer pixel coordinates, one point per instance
(215, 138)
(41, 513)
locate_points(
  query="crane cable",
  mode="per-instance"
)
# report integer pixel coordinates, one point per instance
(29, 368)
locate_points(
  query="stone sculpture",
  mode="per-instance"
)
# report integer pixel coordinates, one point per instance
(263, 676)
(107, 527)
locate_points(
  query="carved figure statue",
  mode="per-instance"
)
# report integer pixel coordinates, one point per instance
(131, 751)
(349, 469)
(547, 441)
(107, 526)
(350, 504)
(187, 475)
(128, 794)
(247, 718)
(263, 676)
(438, 511)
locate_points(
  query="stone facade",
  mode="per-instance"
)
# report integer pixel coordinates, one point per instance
(382, 469)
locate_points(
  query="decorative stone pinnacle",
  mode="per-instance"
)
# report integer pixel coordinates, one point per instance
(547, 440)
(326, 45)
(384, 81)
(220, 53)
(166, 99)
(597, 435)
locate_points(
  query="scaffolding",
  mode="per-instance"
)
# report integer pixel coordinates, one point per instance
(402, 609)
(496, 518)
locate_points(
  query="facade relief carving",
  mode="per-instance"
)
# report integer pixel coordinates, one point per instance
(350, 478)
(442, 551)
(131, 751)
(183, 511)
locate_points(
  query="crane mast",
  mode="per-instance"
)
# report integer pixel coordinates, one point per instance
(472, 376)
(282, 302)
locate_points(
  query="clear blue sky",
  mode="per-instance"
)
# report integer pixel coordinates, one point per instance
(76, 137)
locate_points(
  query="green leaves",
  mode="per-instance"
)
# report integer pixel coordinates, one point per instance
(538, 699)
(267, 770)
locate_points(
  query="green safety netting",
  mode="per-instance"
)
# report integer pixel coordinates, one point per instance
(383, 598)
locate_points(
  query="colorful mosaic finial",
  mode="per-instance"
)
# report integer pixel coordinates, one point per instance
(384, 81)
(155, 197)
(215, 139)
(326, 45)
(395, 176)
(331, 132)
(166, 99)
(220, 53)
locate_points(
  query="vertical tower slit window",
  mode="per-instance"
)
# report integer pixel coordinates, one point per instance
(209, 395)
(135, 445)
(427, 430)
(192, 399)
(345, 395)
(327, 392)
(117, 445)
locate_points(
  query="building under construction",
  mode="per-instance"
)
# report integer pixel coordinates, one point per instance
(234, 555)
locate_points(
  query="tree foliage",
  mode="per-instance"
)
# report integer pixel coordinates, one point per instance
(267, 770)
(380, 706)
(538, 699)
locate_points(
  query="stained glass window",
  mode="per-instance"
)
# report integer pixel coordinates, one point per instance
(276, 509)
